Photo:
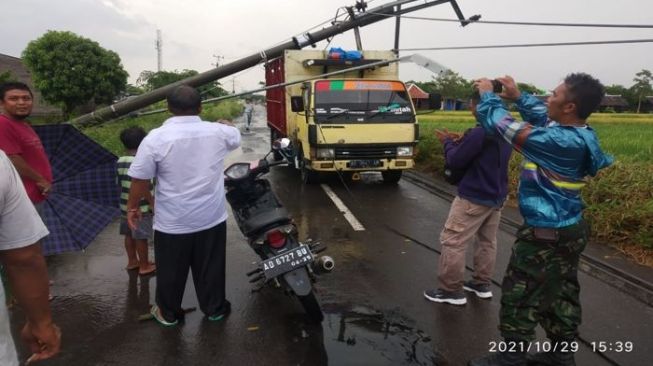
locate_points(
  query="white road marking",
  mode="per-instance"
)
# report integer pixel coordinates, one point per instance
(355, 224)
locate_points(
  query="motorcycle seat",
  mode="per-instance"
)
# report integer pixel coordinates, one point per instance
(277, 215)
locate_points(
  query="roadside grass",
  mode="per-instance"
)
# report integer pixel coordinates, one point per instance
(619, 199)
(107, 134)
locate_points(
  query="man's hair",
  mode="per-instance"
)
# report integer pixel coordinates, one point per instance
(584, 91)
(184, 100)
(131, 137)
(475, 96)
(13, 85)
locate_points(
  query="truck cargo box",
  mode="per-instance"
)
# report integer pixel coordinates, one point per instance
(297, 65)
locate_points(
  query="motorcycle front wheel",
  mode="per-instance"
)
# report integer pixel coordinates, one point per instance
(312, 307)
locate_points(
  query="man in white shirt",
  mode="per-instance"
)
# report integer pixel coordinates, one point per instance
(21, 229)
(186, 157)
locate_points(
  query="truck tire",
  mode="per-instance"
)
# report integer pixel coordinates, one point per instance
(274, 135)
(308, 176)
(312, 307)
(391, 176)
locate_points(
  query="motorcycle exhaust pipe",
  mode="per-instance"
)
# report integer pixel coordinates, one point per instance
(325, 263)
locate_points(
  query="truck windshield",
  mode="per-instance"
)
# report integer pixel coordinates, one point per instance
(362, 101)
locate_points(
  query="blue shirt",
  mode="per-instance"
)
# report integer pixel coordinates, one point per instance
(558, 158)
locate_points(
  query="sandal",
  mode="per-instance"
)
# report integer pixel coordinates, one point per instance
(132, 267)
(149, 271)
(156, 314)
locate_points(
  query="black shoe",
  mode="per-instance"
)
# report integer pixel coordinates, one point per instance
(555, 356)
(226, 309)
(442, 296)
(480, 289)
(501, 359)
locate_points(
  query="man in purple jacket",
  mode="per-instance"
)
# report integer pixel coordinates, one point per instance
(475, 211)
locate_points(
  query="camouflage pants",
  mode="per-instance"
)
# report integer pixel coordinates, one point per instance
(541, 285)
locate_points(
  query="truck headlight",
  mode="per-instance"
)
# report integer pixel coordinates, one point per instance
(405, 151)
(323, 153)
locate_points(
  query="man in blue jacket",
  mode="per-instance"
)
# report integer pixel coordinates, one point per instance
(560, 150)
(475, 212)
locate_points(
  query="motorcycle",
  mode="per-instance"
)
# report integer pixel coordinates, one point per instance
(285, 261)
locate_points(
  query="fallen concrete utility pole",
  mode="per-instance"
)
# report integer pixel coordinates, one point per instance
(395, 8)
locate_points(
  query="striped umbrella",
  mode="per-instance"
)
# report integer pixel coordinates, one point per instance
(84, 195)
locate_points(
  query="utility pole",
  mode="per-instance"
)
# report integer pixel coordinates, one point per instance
(233, 85)
(159, 50)
(218, 58)
(363, 19)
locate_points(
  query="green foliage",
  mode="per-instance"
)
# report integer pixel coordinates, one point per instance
(642, 86)
(451, 85)
(619, 199)
(107, 134)
(133, 90)
(530, 88)
(71, 71)
(150, 80)
(6, 76)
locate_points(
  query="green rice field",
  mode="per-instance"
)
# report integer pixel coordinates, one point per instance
(629, 137)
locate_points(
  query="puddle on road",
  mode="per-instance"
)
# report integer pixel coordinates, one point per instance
(362, 336)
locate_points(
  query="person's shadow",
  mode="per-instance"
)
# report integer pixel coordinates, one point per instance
(138, 296)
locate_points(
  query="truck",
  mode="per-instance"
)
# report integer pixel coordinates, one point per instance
(348, 123)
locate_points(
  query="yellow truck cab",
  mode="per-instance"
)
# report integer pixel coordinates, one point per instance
(359, 121)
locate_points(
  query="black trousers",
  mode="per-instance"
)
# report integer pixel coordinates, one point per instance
(202, 252)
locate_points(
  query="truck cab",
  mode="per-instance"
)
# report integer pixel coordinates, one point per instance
(353, 122)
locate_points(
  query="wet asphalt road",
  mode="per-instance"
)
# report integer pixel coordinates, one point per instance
(375, 312)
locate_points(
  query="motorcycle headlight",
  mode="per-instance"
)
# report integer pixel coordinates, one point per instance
(324, 153)
(237, 171)
(405, 151)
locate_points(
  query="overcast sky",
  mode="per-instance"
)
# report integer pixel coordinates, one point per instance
(194, 31)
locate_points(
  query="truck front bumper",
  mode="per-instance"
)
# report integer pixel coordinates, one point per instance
(362, 165)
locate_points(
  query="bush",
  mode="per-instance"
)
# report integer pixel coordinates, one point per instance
(107, 133)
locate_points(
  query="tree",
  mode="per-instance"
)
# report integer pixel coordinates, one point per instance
(642, 86)
(151, 80)
(451, 85)
(6, 76)
(72, 71)
(530, 88)
(627, 94)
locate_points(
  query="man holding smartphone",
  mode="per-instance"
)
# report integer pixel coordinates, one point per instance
(560, 150)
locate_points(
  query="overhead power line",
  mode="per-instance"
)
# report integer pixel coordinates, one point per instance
(546, 24)
(586, 43)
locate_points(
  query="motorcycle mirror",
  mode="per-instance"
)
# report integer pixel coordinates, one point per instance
(281, 143)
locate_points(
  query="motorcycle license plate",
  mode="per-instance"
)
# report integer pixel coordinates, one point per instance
(358, 164)
(287, 261)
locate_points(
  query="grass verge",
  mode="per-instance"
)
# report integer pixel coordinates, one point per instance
(107, 134)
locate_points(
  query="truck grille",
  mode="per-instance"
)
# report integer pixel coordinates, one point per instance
(376, 152)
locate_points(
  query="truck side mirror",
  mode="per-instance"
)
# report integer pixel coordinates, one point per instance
(297, 104)
(435, 101)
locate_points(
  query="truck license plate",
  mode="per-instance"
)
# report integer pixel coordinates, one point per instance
(286, 262)
(358, 164)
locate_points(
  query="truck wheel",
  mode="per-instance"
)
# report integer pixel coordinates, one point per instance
(391, 176)
(308, 176)
(273, 136)
(312, 307)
